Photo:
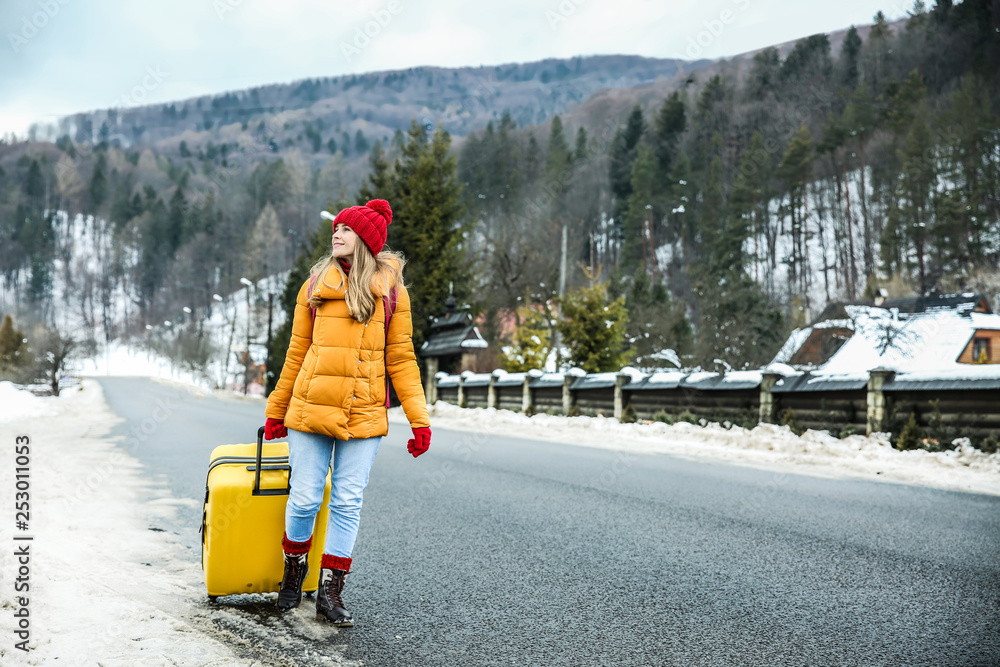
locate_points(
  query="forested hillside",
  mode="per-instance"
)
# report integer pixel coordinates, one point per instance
(708, 216)
(760, 194)
(347, 114)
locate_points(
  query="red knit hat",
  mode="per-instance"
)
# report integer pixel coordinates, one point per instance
(369, 222)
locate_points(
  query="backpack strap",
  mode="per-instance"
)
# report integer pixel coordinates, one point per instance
(390, 307)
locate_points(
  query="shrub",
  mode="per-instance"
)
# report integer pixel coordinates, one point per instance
(789, 419)
(911, 435)
(989, 444)
(687, 416)
(663, 416)
(750, 419)
(848, 431)
(628, 415)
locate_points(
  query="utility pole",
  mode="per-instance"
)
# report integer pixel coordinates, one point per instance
(650, 242)
(556, 342)
(562, 261)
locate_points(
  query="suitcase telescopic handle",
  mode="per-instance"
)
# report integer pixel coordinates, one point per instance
(257, 491)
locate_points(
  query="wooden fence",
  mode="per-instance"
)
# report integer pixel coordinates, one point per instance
(879, 401)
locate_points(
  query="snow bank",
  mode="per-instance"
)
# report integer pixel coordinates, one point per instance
(105, 587)
(15, 403)
(766, 445)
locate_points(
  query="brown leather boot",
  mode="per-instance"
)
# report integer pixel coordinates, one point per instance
(329, 604)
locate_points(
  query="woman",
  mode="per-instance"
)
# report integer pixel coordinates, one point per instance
(330, 400)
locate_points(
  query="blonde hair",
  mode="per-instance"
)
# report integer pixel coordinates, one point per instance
(371, 278)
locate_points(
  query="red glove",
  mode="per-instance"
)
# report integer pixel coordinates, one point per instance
(274, 428)
(420, 441)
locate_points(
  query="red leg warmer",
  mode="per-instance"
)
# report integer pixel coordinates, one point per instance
(295, 548)
(331, 562)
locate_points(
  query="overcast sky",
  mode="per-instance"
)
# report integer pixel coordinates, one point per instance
(63, 56)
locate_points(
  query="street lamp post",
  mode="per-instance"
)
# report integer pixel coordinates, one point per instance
(229, 347)
(246, 360)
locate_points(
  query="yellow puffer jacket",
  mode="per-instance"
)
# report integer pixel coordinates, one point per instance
(333, 380)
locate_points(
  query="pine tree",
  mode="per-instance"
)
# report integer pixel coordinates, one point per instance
(378, 184)
(429, 225)
(681, 220)
(919, 175)
(850, 54)
(966, 144)
(98, 190)
(716, 246)
(876, 53)
(360, 143)
(558, 158)
(655, 323)
(752, 190)
(580, 152)
(671, 121)
(34, 190)
(796, 172)
(532, 160)
(640, 216)
(622, 153)
(858, 121)
(594, 329)
(737, 323)
(12, 346)
(177, 220)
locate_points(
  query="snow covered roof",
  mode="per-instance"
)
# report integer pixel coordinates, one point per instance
(813, 382)
(547, 380)
(922, 345)
(984, 376)
(792, 345)
(476, 379)
(509, 379)
(596, 380)
(964, 303)
(451, 341)
(663, 380)
(700, 380)
(926, 342)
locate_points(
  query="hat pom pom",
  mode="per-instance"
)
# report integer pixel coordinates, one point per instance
(381, 206)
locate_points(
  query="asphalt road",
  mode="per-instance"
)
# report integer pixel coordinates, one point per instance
(505, 551)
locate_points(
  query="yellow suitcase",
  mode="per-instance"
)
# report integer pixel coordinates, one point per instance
(244, 519)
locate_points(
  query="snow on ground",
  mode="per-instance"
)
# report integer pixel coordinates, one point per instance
(15, 402)
(127, 360)
(105, 588)
(765, 446)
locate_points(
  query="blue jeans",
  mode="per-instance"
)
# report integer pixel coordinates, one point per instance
(310, 456)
